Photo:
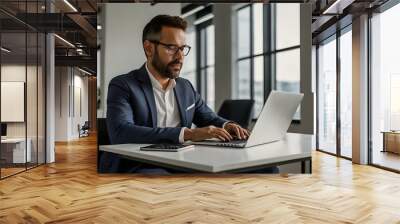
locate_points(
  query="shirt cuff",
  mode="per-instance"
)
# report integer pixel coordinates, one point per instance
(182, 136)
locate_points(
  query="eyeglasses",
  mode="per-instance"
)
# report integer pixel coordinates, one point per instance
(172, 49)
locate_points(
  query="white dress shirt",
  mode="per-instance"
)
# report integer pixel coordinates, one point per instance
(167, 107)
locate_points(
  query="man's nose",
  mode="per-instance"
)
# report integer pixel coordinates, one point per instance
(179, 55)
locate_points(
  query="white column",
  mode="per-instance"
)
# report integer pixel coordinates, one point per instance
(50, 99)
(360, 90)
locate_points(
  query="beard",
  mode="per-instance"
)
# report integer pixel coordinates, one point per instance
(166, 70)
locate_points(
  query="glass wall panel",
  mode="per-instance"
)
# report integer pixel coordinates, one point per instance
(23, 87)
(14, 153)
(41, 98)
(327, 96)
(31, 98)
(346, 94)
(385, 88)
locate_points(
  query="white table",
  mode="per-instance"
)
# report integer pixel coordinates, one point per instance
(293, 148)
(19, 155)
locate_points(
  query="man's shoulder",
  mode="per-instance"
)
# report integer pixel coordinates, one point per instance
(127, 77)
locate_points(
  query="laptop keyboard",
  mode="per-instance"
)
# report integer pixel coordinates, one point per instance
(234, 143)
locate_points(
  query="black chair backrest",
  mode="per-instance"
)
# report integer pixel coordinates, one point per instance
(239, 111)
(102, 132)
(85, 126)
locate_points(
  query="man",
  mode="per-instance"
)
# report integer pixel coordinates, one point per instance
(154, 105)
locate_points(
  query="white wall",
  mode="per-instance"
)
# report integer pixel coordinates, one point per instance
(121, 47)
(67, 115)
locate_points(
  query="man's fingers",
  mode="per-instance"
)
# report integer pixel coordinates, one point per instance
(223, 133)
(237, 132)
(242, 134)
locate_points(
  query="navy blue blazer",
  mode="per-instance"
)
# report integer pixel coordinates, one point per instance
(132, 113)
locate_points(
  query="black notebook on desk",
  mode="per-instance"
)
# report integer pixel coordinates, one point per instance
(165, 147)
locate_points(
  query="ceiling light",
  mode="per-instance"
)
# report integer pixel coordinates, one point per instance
(99, 27)
(203, 19)
(337, 7)
(84, 71)
(70, 5)
(193, 11)
(5, 50)
(64, 40)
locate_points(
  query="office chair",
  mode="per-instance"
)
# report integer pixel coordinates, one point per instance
(84, 129)
(102, 132)
(239, 111)
(102, 139)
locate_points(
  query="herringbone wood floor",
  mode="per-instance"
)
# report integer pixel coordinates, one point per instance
(70, 191)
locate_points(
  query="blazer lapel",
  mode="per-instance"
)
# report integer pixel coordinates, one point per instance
(143, 76)
(179, 94)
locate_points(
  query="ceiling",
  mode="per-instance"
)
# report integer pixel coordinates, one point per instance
(73, 21)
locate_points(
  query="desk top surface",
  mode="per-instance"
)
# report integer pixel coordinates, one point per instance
(13, 140)
(218, 159)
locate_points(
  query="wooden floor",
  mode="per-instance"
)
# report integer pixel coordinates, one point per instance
(70, 191)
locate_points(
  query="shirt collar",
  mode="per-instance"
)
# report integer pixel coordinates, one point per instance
(155, 83)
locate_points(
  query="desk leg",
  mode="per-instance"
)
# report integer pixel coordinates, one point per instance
(304, 164)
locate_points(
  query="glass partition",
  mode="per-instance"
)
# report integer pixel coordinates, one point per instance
(22, 90)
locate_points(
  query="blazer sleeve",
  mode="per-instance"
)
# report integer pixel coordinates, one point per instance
(120, 120)
(203, 115)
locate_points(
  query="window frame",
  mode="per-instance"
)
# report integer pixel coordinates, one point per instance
(269, 50)
(201, 83)
(334, 37)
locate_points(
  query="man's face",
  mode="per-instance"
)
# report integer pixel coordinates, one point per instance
(166, 62)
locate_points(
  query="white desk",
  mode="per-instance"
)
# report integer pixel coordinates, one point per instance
(19, 155)
(293, 148)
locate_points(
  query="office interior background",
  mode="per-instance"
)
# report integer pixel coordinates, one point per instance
(48, 82)
(54, 74)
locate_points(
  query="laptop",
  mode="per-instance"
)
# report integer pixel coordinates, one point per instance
(272, 123)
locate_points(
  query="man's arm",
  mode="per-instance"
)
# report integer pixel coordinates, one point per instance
(120, 120)
(203, 115)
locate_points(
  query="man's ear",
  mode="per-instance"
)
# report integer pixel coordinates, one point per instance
(148, 48)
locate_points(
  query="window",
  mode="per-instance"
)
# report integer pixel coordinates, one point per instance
(346, 93)
(250, 60)
(385, 87)
(327, 96)
(334, 94)
(22, 75)
(286, 44)
(189, 64)
(205, 34)
(268, 48)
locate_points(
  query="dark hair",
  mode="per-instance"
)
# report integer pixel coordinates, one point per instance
(153, 28)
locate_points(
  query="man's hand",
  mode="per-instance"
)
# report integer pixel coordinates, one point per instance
(198, 134)
(236, 130)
